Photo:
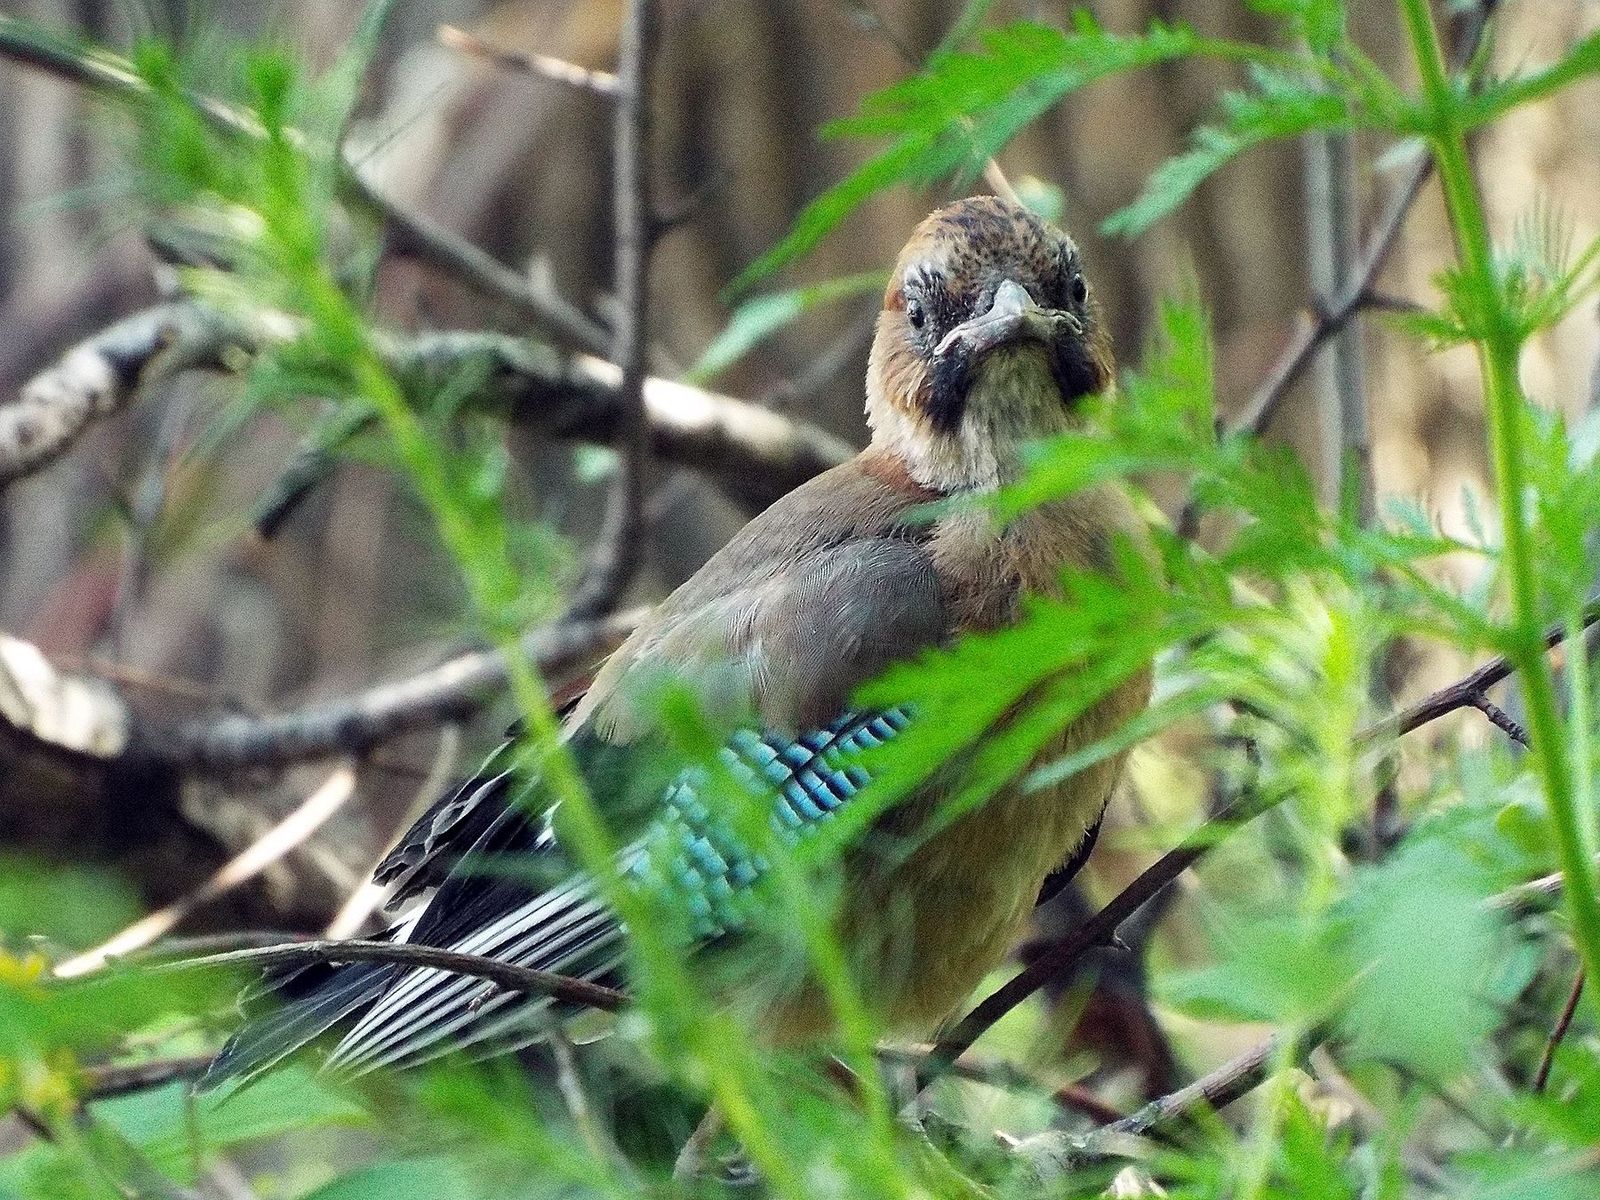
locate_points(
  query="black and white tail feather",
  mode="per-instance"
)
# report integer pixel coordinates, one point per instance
(378, 1015)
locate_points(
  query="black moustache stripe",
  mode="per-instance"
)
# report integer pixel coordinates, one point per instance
(947, 399)
(1076, 373)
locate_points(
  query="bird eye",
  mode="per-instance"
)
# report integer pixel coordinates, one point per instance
(1080, 289)
(914, 313)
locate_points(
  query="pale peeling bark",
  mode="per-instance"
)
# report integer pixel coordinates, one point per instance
(96, 378)
(755, 454)
(77, 714)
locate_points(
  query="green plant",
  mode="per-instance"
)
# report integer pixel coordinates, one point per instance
(1399, 971)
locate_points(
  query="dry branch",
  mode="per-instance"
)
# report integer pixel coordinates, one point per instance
(756, 454)
(97, 377)
(1569, 1009)
(83, 716)
(1056, 1152)
(1329, 315)
(270, 847)
(508, 976)
(602, 83)
(111, 1081)
(350, 724)
(615, 556)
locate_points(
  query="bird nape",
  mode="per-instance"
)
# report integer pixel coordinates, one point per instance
(988, 340)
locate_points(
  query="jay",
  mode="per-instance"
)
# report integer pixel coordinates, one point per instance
(989, 339)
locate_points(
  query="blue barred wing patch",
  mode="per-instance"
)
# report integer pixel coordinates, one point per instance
(698, 854)
(692, 849)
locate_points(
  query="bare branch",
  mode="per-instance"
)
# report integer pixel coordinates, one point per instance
(757, 455)
(615, 556)
(96, 378)
(999, 1073)
(1547, 1060)
(84, 717)
(1330, 315)
(1058, 1152)
(1216, 1089)
(1500, 719)
(752, 453)
(110, 1081)
(507, 976)
(449, 692)
(1461, 693)
(601, 83)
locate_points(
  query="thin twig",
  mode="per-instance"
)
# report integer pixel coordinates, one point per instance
(691, 1158)
(449, 692)
(617, 551)
(601, 83)
(255, 858)
(109, 1082)
(214, 943)
(1547, 1060)
(1057, 1151)
(1101, 928)
(570, 1084)
(1216, 1089)
(1459, 694)
(1330, 316)
(507, 976)
(1008, 1077)
(1500, 719)
(1098, 930)
(1526, 897)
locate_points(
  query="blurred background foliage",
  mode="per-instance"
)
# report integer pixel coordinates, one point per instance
(1376, 922)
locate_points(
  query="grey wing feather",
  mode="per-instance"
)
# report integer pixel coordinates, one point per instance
(796, 632)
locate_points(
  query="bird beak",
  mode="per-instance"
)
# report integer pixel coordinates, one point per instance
(1012, 318)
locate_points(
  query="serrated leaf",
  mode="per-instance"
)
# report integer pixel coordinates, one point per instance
(1281, 107)
(965, 105)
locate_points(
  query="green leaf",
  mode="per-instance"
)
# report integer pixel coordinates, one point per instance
(1495, 98)
(1319, 23)
(1423, 944)
(165, 1123)
(1283, 105)
(421, 1179)
(1278, 969)
(965, 105)
(759, 317)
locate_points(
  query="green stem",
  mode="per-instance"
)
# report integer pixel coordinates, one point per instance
(1499, 344)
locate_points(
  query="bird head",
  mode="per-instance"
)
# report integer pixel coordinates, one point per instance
(989, 338)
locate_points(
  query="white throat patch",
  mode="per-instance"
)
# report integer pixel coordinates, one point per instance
(1012, 399)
